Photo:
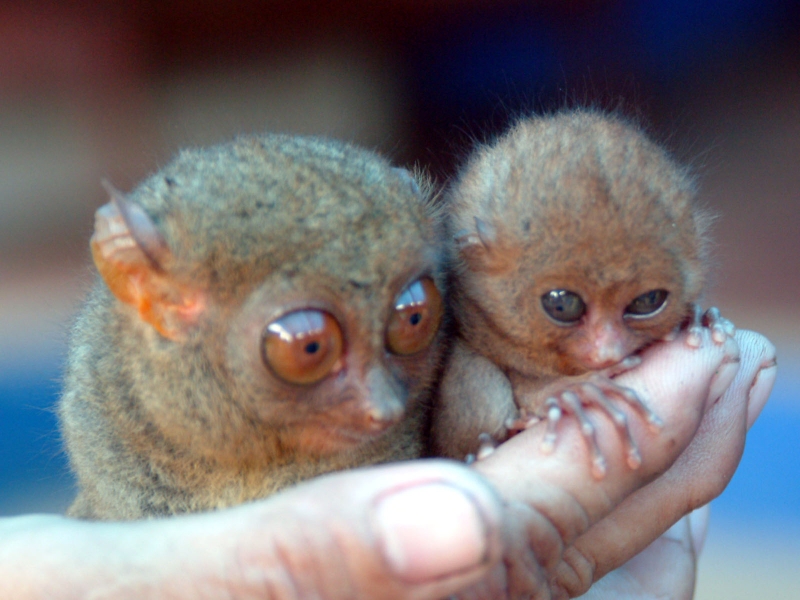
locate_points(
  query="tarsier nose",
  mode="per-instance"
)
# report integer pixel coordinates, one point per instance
(377, 420)
(605, 357)
(607, 347)
(385, 401)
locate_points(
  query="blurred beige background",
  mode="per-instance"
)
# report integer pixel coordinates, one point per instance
(112, 90)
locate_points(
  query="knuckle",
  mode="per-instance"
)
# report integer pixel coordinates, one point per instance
(575, 574)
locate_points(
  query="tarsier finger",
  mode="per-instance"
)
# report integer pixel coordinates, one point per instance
(598, 397)
(695, 337)
(486, 445)
(625, 365)
(590, 394)
(721, 328)
(554, 412)
(599, 465)
(630, 397)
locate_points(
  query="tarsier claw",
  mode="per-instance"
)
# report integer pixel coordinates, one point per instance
(630, 362)
(553, 416)
(714, 321)
(634, 458)
(671, 336)
(486, 446)
(599, 467)
(695, 337)
(730, 328)
(721, 328)
(524, 420)
(624, 365)
(655, 422)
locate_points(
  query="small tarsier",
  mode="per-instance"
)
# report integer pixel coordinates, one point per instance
(577, 242)
(268, 310)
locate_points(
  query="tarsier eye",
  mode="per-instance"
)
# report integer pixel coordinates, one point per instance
(303, 346)
(563, 306)
(417, 315)
(647, 305)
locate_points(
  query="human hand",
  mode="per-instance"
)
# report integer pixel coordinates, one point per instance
(424, 529)
(667, 567)
(697, 380)
(416, 530)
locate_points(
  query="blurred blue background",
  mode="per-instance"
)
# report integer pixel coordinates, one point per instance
(107, 89)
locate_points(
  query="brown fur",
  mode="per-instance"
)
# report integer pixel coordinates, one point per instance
(255, 228)
(579, 201)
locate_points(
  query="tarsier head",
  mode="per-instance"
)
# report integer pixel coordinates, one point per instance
(282, 286)
(580, 242)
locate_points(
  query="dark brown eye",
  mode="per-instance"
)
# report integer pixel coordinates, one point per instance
(302, 346)
(647, 305)
(563, 306)
(417, 315)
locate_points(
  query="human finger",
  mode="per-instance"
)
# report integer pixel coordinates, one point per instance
(698, 475)
(558, 489)
(667, 568)
(413, 531)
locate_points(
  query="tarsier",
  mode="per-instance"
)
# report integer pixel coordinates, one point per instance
(268, 310)
(577, 243)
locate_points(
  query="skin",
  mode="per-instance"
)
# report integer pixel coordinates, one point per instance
(584, 204)
(290, 544)
(179, 396)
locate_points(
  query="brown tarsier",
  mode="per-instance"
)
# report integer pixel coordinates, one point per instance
(577, 243)
(268, 310)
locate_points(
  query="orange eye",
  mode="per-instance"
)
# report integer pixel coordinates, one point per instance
(303, 346)
(417, 315)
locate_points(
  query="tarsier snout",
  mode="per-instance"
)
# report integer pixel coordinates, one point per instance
(605, 344)
(382, 401)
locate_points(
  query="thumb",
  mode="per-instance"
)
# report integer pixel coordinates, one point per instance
(415, 530)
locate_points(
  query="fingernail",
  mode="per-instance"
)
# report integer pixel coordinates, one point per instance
(698, 526)
(632, 361)
(680, 532)
(760, 391)
(430, 531)
(723, 379)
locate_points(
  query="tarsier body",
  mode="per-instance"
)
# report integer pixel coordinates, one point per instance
(578, 242)
(268, 312)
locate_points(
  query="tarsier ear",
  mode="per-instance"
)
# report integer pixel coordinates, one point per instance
(131, 256)
(482, 251)
(408, 178)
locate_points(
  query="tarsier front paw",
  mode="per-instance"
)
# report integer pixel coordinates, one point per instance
(486, 445)
(572, 394)
(721, 328)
